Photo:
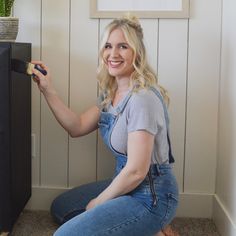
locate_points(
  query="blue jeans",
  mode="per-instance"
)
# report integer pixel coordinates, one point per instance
(139, 213)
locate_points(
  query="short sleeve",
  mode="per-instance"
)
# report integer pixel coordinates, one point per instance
(145, 112)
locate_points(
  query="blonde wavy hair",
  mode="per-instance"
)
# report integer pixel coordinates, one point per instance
(143, 76)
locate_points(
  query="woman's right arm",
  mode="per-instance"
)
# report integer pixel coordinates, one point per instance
(75, 125)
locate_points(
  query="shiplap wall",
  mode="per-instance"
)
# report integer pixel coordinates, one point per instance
(184, 52)
(224, 213)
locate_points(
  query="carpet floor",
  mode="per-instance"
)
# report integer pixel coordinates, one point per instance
(40, 223)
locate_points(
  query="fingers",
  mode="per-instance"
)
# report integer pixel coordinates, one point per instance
(41, 64)
(38, 63)
(35, 79)
(37, 75)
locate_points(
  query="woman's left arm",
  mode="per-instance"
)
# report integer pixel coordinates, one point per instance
(140, 146)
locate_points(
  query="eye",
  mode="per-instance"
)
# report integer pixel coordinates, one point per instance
(107, 45)
(123, 46)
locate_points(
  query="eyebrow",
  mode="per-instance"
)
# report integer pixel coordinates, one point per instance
(119, 44)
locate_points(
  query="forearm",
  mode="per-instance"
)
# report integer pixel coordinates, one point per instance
(67, 118)
(124, 182)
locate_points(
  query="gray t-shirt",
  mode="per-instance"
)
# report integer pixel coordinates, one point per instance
(144, 111)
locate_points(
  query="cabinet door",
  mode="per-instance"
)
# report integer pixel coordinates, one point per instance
(5, 212)
(20, 123)
(15, 134)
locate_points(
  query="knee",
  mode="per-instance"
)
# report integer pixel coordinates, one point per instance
(65, 207)
(56, 211)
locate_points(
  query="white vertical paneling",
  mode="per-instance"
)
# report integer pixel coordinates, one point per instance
(55, 53)
(83, 89)
(226, 175)
(29, 32)
(105, 160)
(150, 32)
(172, 75)
(202, 104)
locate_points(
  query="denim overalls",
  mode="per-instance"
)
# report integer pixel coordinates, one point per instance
(142, 212)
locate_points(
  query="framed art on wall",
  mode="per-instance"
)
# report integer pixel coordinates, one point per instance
(140, 8)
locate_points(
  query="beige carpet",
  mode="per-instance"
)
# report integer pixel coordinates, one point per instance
(40, 223)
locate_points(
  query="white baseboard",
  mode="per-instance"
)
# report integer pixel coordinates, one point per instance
(191, 204)
(222, 219)
(42, 197)
(195, 205)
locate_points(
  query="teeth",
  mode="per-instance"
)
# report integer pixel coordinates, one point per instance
(115, 63)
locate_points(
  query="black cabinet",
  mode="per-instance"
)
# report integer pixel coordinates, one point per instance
(15, 134)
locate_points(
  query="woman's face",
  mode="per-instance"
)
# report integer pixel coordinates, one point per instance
(118, 55)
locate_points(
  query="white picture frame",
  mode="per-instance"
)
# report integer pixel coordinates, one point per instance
(140, 8)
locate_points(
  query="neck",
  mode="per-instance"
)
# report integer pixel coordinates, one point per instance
(123, 84)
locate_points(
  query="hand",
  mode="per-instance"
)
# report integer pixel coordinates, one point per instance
(92, 204)
(43, 81)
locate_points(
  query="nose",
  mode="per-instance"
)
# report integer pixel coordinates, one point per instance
(114, 52)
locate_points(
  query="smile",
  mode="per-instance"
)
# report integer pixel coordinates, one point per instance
(115, 64)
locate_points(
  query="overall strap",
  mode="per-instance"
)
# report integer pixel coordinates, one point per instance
(171, 158)
(120, 108)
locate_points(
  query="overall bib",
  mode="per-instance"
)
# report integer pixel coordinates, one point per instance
(141, 212)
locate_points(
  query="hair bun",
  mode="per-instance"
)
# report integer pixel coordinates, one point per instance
(133, 21)
(132, 18)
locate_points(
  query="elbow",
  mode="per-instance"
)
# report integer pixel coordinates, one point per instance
(73, 134)
(141, 177)
(138, 175)
(73, 130)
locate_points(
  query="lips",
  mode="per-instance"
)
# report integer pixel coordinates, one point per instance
(115, 64)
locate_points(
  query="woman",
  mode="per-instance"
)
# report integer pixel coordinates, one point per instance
(142, 197)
